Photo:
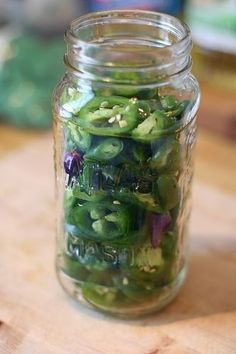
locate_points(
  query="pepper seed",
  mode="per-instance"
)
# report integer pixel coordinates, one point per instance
(116, 202)
(118, 117)
(125, 281)
(104, 104)
(123, 123)
(112, 119)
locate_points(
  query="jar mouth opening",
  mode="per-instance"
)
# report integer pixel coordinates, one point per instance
(149, 45)
(81, 31)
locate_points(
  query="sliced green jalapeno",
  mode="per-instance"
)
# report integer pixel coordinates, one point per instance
(80, 138)
(106, 150)
(91, 179)
(104, 297)
(167, 157)
(172, 106)
(168, 191)
(179, 110)
(111, 116)
(147, 201)
(128, 86)
(152, 126)
(144, 109)
(154, 104)
(102, 221)
(103, 278)
(92, 197)
(75, 269)
(168, 245)
(169, 102)
(135, 289)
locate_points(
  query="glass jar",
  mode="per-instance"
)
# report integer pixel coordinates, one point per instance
(125, 129)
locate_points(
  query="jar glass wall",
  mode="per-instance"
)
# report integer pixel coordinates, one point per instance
(125, 128)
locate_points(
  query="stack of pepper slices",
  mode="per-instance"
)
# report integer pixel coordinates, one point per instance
(122, 195)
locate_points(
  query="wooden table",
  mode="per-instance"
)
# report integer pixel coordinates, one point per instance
(35, 315)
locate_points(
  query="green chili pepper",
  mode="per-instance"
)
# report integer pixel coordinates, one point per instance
(168, 245)
(168, 156)
(154, 105)
(125, 90)
(169, 102)
(172, 106)
(132, 238)
(140, 152)
(75, 269)
(103, 278)
(92, 197)
(106, 150)
(79, 136)
(152, 126)
(132, 91)
(135, 273)
(102, 221)
(69, 203)
(147, 201)
(179, 110)
(104, 297)
(111, 116)
(136, 289)
(168, 191)
(141, 188)
(128, 86)
(91, 179)
(148, 268)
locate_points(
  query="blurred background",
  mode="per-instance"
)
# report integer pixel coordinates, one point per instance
(31, 63)
(32, 48)
(31, 60)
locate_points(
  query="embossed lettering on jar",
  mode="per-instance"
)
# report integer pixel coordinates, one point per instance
(125, 129)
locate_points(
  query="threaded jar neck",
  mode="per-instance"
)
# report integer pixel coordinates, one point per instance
(153, 48)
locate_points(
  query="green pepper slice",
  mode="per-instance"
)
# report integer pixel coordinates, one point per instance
(91, 197)
(172, 106)
(168, 156)
(110, 116)
(136, 289)
(102, 221)
(75, 269)
(169, 192)
(168, 245)
(152, 126)
(146, 201)
(104, 297)
(127, 85)
(169, 102)
(130, 89)
(106, 150)
(78, 137)
(179, 110)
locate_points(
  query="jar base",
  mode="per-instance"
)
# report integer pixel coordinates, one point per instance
(72, 288)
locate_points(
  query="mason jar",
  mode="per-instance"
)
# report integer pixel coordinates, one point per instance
(125, 129)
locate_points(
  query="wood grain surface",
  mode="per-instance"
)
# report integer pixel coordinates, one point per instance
(36, 317)
(218, 110)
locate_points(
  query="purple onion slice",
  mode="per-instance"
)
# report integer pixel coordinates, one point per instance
(73, 164)
(160, 223)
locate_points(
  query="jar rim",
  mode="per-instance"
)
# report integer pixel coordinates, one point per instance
(154, 17)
